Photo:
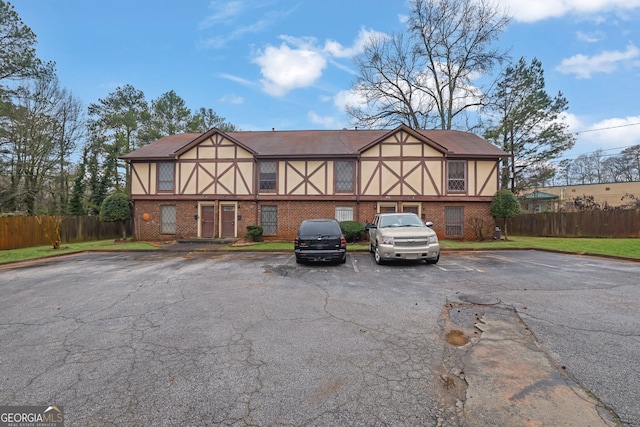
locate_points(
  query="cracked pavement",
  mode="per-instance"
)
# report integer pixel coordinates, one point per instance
(205, 338)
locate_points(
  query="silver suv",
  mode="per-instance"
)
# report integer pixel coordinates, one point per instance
(395, 236)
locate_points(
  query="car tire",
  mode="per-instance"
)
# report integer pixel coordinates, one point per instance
(371, 248)
(344, 259)
(433, 260)
(298, 260)
(377, 257)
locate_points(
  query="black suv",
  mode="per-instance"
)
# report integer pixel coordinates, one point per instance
(320, 240)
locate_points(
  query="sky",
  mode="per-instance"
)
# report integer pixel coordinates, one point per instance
(288, 64)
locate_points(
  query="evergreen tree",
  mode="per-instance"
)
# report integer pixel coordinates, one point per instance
(529, 124)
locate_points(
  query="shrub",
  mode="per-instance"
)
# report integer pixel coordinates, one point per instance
(254, 233)
(116, 207)
(352, 230)
(482, 229)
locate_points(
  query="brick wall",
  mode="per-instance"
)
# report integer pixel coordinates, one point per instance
(147, 227)
(292, 213)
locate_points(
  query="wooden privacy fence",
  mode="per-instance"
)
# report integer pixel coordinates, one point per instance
(615, 223)
(25, 232)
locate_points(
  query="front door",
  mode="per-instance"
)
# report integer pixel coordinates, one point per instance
(207, 222)
(228, 221)
(410, 209)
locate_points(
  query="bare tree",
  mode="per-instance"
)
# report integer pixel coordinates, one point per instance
(388, 84)
(40, 128)
(428, 80)
(631, 156)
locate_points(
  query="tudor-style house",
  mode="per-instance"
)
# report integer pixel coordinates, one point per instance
(214, 185)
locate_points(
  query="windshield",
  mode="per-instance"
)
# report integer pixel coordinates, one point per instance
(400, 221)
(319, 228)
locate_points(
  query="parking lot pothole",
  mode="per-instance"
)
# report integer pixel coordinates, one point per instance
(456, 338)
(479, 299)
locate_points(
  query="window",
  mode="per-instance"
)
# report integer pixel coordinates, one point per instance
(344, 176)
(456, 176)
(268, 176)
(168, 219)
(344, 213)
(453, 221)
(165, 176)
(269, 219)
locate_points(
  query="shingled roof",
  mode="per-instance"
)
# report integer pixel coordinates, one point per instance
(319, 143)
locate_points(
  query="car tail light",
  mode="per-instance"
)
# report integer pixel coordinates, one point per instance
(343, 241)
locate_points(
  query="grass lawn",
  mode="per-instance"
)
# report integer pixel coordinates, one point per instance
(628, 248)
(12, 255)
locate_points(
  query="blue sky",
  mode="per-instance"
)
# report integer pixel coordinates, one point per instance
(287, 64)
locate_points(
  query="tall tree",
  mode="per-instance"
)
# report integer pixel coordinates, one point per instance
(99, 179)
(429, 80)
(206, 119)
(18, 58)
(39, 129)
(529, 124)
(117, 119)
(169, 115)
(77, 205)
(631, 156)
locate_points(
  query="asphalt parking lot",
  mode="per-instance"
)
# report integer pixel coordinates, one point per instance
(201, 338)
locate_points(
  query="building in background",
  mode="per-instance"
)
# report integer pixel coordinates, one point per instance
(214, 185)
(619, 195)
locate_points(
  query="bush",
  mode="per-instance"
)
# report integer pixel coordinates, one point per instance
(116, 207)
(254, 233)
(482, 229)
(352, 230)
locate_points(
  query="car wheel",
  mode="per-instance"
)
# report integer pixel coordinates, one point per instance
(298, 260)
(377, 257)
(344, 259)
(433, 260)
(371, 248)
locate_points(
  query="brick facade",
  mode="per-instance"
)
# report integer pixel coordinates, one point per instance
(291, 213)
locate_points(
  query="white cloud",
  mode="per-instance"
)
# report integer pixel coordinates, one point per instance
(299, 61)
(231, 14)
(364, 37)
(538, 10)
(349, 98)
(593, 37)
(612, 133)
(584, 66)
(232, 99)
(327, 122)
(237, 79)
(284, 69)
(222, 12)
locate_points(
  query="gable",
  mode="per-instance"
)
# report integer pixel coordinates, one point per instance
(216, 146)
(402, 144)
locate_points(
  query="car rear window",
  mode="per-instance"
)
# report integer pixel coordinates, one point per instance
(319, 227)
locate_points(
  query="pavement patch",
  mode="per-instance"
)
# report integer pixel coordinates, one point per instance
(495, 373)
(511, 381)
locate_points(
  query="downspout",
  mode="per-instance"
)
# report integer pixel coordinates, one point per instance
(358, 174)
